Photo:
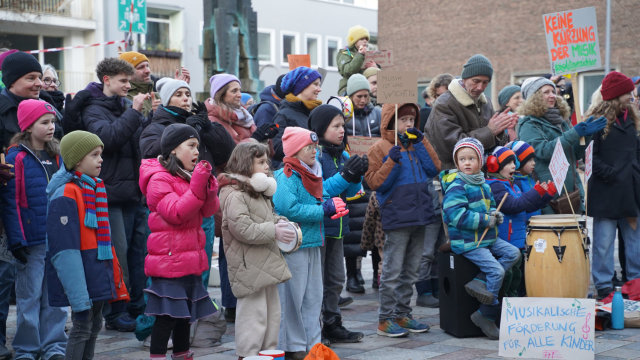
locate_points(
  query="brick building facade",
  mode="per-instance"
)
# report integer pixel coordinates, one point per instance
(435, 36)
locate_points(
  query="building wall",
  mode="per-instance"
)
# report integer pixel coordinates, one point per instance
(436, 36)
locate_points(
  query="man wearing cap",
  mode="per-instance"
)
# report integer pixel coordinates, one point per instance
(464, 111)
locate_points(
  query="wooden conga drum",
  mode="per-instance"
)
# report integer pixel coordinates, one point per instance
(556, 257)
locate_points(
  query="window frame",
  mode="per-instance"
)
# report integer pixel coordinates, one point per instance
(143, 37)
(318, 39)
(339, 42)
(296, 44)
(272, 46)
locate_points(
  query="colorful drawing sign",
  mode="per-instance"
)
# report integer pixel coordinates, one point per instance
(588, 161)
(547, 328)
(558, 167)
(572, 40)
(383, 58)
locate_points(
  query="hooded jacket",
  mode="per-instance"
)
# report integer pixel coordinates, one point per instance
(350, 62)
(366, 121)
(402, 188)
(75, 276)
(176, 244)
(254, 260)
(267, 108)
(455, 115)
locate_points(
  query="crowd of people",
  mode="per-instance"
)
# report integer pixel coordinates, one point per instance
(111, 199)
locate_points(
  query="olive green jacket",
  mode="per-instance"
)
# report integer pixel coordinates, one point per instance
(350, 62)
(142, 88)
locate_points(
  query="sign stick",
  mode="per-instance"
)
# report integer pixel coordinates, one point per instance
(497, 209)
(396, 125)
(576, 101)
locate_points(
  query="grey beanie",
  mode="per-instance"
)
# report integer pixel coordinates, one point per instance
(168, 86)
(477, 65)
(506, 93)
(533, 84)
(357, 82)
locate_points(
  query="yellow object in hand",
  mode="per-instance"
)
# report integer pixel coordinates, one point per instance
(410, 135)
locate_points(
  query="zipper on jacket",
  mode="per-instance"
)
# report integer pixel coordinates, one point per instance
(39, 161)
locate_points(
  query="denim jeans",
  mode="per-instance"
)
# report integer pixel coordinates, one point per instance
(433, 237)
(228, 299)
(40, 327)
(332, 278)
(83, 334)
(493, 261)
(7, 277)
(604, 235)
(402, 251)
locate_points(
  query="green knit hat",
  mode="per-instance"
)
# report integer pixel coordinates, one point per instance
(76, 145)
(477, 65)
(506, 93)
(357, 82)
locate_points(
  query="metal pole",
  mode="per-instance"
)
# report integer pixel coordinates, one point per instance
(607, 49)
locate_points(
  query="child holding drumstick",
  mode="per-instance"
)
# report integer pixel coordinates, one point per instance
(469, 208)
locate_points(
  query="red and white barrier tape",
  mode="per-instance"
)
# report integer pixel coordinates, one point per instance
(75, 47)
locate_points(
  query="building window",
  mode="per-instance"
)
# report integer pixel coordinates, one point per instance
(158, 31)
(265, 46)
(589, 83)
(333, 46)
(312, 48)
(289, 46)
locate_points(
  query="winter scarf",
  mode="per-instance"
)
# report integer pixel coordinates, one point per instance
(311, 182)
(96, 212)
(553, 116)
(475, 179)
(309, 104)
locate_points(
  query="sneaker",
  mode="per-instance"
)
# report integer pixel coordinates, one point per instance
(603, 293)
(488, 326)
(344, 301)
(123, 323)
(412, 325)
(478, 289)
(391, 329)
(336, 333)
(427, 300)
(188, 355)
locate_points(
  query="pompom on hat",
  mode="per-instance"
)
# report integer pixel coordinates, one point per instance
(295, 138)
(356, 33)
(471, 143)
(616, 84)
(30, 110)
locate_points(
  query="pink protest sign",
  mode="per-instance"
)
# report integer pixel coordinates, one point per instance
(383, 58)
(588, 161)
(558, 166)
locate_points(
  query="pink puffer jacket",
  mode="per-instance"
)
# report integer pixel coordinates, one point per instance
(176, 244)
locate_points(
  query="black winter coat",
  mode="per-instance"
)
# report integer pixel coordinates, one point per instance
(614, 186)
(290, 114)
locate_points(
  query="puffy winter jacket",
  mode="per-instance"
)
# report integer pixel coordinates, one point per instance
(526, 183)
(365, 122)
(350, 62)
(290, 114)
(265, 111)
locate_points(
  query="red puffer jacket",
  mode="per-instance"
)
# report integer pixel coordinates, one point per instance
(176, 244)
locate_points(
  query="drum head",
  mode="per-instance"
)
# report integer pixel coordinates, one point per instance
(295, 244)
(554, 220)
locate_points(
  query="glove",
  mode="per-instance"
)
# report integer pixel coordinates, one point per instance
(335, 208)
(590, 126)
(551, 188)
(199, 121)
(492, 221)
(284, 232)
(21, 254)
(72, 118)
(266, 131)
(199, 183)
(5, 173)
(354, 168)
(499, 217)
(199, 108)
(415, 135)
(394, 154)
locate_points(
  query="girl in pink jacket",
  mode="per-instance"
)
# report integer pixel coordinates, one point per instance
(180, 192)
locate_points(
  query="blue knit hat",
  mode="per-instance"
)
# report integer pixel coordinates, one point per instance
(245, 97)
(523, 151)
(506, 93)
(296, 80)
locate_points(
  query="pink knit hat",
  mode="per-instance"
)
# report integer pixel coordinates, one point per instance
(295, 138)
(29, 111)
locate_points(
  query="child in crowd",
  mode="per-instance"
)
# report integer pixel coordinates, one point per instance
(400, 175)
(523, 176)
(301, 198)
(82, 268)
(35, 154)
(251, 230)
(180, 192)
(469, 208)
(501, 167)
(342, 176)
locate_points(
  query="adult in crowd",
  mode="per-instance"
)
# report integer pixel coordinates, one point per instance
(301, 86)
(425, 110)
(366, 116)
(544, 122)
(270, 99)
(350, 60)
(510, 99)
(51, 86)
(118, 124)
(464, 111)
(437, 86)
(371, 74)
(614, 196)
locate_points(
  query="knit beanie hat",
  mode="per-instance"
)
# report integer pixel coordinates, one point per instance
(76, 145)
(506, 93)
(277, 88)
(472, 143)
(134, 58)
(533, 84)
(218, 81)
(357, 82)
(477, 65)
(296, 80)
(168, 86)
(356, 33)
(245, 97)
(18, 65)
(370, 71)
(174, 135)
(30, 110)
(5, 54)
(295, 138)
(500, 157)
(523, 150)
(321, 117)
(407, 109)
(616, 84)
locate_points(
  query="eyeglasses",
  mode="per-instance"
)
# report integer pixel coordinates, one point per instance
(48, 81)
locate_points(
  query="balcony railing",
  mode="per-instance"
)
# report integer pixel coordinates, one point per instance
(53, 7)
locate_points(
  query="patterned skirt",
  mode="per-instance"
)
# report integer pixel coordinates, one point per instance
(184, 297)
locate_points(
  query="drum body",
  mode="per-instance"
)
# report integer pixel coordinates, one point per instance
(294, 245)
(557, 257)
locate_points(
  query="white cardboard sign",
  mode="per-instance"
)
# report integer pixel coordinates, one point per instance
(558, 167)
(547, 328)
(588, 161)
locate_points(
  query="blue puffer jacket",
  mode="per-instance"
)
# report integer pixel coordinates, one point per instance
(526, 183)
(335, 185)
(24, 199)
(294, 202)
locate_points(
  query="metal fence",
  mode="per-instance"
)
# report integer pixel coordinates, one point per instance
(57, 7)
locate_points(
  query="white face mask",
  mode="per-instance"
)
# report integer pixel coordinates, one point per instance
(260, 182)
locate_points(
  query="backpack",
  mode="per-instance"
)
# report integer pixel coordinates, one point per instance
(254, 108)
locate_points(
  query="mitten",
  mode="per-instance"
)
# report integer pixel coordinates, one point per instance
(590, 126)
(394, 154)
(541, 191)
(265, 131)
(551, 188)
(285, 232)
(415, 135)
(200, 179)
(492, 221)
(499, 217)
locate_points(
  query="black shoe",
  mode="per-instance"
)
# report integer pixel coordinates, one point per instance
(336, 333)
(359, 277)
(123, 323)
(298, 355)
(344, 301)
(354, 286)
(230, 314)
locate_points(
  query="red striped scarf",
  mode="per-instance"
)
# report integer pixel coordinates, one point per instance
(96, 212)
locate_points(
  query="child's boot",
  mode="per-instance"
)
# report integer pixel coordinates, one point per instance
(485, 319)
(478, 289)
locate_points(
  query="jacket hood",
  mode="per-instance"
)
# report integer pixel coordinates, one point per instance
(259, 182)
(447, 178)
(148, 168)
(95, 89)
(61, 177)
(267, 94)
(388, 116)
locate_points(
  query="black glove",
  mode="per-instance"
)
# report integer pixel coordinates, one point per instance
(418, 135)
(5, 173)
(199, 108)
(21, 254)
(265, 131)
(72, 119)
(200, 122)
(394, 154)
(353, 169)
